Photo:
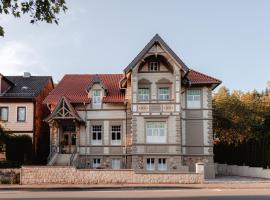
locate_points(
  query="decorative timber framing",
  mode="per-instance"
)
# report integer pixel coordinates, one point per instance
(64, 110)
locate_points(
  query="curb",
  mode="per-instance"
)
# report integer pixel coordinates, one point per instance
(94, 188)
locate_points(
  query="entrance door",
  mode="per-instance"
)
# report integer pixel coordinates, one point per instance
(69, 142)
(68, 138)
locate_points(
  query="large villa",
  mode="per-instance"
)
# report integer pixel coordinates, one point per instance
(155, 116)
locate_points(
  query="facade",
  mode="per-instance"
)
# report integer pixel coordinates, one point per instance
(156, 116)
(21, 108)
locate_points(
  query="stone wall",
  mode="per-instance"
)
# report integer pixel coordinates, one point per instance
(71, 175)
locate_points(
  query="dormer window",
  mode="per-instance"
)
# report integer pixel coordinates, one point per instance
(96, 99)
(153, 66)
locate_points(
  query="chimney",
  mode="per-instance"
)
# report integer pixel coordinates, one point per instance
(26, 75)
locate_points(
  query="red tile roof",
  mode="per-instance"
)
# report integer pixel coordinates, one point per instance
(74, 86)
(199, 78)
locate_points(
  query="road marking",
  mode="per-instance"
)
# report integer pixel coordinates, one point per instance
(217, 190)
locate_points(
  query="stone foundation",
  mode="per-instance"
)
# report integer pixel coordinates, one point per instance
(71, 175)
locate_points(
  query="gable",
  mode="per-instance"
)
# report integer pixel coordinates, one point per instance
(64, 110)
(156, 47)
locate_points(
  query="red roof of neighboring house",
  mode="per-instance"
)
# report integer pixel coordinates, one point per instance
(74, 88)
(199, 78)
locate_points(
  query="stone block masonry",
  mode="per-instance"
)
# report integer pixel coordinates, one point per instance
(70, 175)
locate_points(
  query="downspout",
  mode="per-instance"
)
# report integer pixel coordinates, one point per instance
(85, 125)
(126, 135)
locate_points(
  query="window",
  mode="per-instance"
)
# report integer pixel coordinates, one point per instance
(116, 163)
(96, 163)
(21, 114)
(155, 132)
(73, 139)
(164, 93)
(96, 135)
(194, 98)
(144, 94)
(116, 135)
(153, 66)
(96, 99)
(150, 164)
(162, 165)
(3, 113)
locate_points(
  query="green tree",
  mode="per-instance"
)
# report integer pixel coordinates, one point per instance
(38, 10)
(239, 116)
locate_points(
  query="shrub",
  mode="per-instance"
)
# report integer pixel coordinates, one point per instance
(19, 149)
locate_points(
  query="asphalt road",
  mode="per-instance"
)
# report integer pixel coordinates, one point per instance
(188, 194)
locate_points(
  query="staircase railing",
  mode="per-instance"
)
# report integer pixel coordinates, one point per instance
(51, 154)
(72, 157)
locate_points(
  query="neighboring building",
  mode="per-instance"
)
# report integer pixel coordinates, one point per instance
(156, 116)
(21, 108)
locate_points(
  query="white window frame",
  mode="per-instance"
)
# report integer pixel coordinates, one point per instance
(5, 119)
(96, 99)
(114, 133)
(19, 118)
(153, 66)
(194, 99)
(163, 96)
(96, 163)
(156, 132)
(162, 164)
(150, 164)
(116, 163)
(143, 95)
(95, 132)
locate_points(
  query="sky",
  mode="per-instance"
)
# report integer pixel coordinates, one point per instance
(227, 39)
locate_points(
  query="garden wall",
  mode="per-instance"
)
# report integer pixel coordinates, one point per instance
(71, 175)
(246, 171)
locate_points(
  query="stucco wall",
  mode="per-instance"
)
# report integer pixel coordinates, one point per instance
(71, 175)
(12, 124)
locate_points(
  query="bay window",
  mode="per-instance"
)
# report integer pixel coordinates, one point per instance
(156, 132)
(194, 98)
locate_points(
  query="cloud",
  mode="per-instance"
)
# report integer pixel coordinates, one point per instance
(18, 57)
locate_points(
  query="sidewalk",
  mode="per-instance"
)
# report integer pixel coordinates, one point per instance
(228, 182)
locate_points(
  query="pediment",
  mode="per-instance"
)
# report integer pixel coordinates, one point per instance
(164, 81)
(144, 82)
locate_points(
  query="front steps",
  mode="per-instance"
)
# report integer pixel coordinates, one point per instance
(60, 160)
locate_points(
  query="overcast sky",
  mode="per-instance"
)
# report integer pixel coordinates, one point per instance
(228, 39)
